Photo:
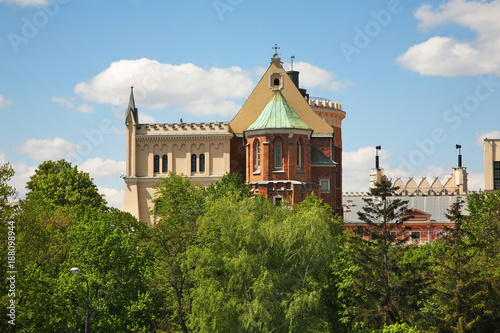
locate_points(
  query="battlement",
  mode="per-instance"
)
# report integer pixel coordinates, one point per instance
(214, 127)
(324, 103)
(422, 188)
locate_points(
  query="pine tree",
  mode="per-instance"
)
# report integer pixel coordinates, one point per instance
(377, 259)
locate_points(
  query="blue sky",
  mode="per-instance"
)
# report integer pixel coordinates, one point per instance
(415, 77)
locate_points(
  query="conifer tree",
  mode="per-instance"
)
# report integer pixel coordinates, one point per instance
(376, 283)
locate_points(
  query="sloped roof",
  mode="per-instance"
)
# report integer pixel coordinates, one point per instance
(261, 95)
(435, 205)
(278, 113)
(317, 157)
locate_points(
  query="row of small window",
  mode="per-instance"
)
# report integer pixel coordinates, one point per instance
(496, 175)
(277, 155)
(197, 163)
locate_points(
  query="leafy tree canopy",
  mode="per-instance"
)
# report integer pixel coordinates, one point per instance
(63, 185)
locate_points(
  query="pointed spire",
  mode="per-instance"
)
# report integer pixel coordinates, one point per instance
(131, 108)
(131, 103)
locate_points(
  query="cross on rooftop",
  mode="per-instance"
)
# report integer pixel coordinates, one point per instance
(276, 48)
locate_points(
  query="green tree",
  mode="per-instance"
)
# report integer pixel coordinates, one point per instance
(178, 205)
(372, 265)
(230, 184)
(7, 233)
(261, 267)
(465, 291)
(63, 185)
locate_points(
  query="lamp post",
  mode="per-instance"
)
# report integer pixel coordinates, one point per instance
(77, 271)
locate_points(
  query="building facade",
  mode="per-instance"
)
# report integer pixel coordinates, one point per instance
(285, 144)
(428, 201)
(491, 148)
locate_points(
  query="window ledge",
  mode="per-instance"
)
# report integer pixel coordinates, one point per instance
(279, 171)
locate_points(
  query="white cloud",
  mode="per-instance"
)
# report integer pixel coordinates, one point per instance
(4, 102)
(475, 181)
(447, 56)
(357, 166)
(22, 174)
(158, 85)
(489, 135)
(69, 103)
(26, 3)
(41, 150)
(113, 196)
(314, 77)
(99, 168)
(146, 119)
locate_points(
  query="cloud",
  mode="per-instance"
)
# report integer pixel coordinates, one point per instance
(41, 150)
(475, 181)
(447, 56)
(357, 166)
(113, 196)
(4, 102)
(22, 174)
(159, 85)
(314, 77)
(146, 119)
(486, 135)
(26, 3)
(99, 168)
(69, 103)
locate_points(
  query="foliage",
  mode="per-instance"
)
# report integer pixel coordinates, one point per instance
(231, 184)
(63, 185)
(465, 293)
(261, 267)
(373, 264)
(7, 229)
(178, 204)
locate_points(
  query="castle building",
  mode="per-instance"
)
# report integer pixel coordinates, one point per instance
(491, 149)
(285, 144)
(428, 201)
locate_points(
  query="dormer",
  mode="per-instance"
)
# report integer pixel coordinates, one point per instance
(276, 81)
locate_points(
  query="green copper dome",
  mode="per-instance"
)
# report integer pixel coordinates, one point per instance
(278, 114)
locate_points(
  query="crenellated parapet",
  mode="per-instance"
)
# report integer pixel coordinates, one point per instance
(421, 187)
(331, 112)
(183, 129)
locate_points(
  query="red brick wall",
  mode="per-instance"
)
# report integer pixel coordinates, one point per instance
(237, 156)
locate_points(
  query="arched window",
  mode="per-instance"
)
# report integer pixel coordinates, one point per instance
(276, 82)
(193, 163)
(299, 155)
(202, 162)
(257, 155)
(157, 163)
(164, 163)
(278, 155)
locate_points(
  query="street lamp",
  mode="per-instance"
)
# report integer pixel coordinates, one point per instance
(77, 271)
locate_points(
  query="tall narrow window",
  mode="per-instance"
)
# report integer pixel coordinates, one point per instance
(496, 175)
(164, 163)
(157, 163)
(277, 155)
(202, 162)
(257, 155)
(299, 156)
(193, 163)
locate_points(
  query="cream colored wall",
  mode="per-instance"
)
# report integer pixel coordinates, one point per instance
(491, 149)
(178, 142)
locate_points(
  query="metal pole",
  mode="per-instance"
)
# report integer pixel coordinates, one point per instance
(87, 314)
